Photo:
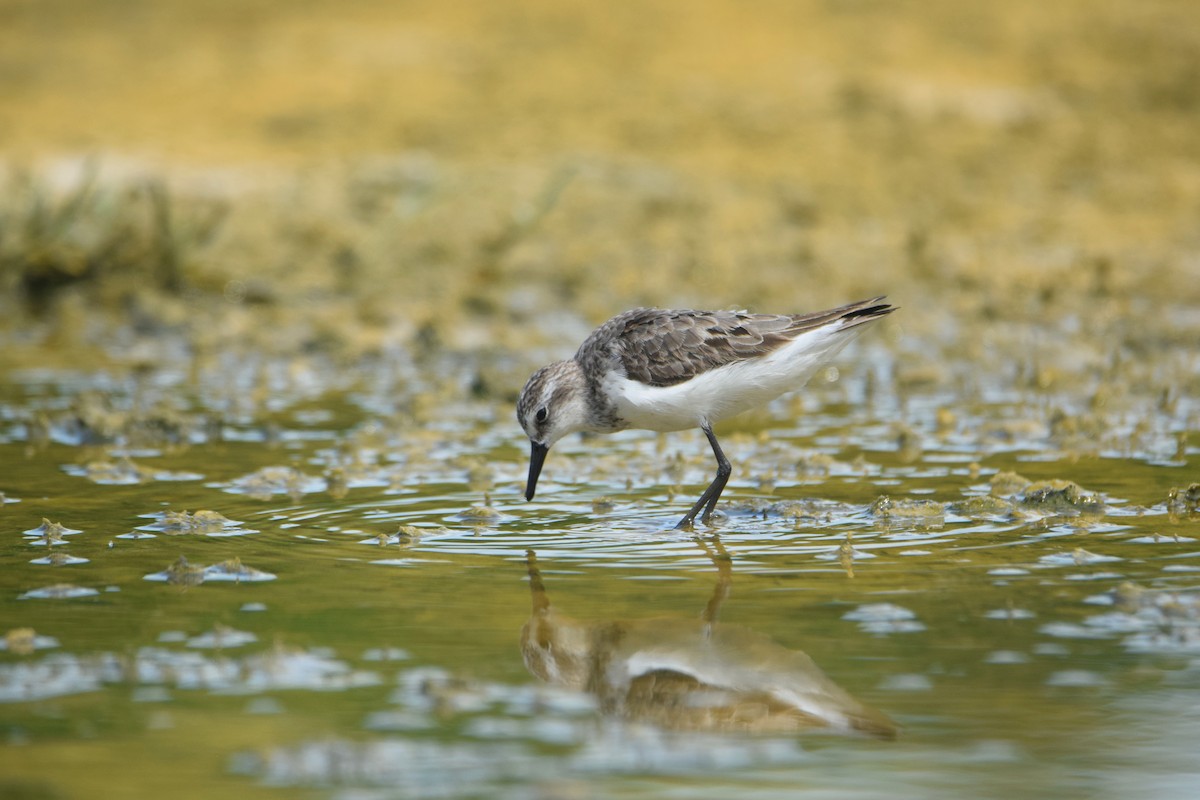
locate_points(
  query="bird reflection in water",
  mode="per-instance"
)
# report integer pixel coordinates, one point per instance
(690, 674)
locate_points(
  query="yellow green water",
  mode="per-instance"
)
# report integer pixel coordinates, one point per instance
(1012, 653)
(291, 264)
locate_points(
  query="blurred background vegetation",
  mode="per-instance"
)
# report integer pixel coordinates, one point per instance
(356, 176)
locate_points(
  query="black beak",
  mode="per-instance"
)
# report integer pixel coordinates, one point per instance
(537, 456)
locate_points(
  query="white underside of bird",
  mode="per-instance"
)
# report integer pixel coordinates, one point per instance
(725, 391)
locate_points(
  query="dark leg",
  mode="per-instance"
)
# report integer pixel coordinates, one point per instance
(722, 562)
(708, 500)
(537, 590)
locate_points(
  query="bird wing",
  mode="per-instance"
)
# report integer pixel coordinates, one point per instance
(662, 347)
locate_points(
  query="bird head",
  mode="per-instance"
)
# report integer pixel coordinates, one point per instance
(551, 405)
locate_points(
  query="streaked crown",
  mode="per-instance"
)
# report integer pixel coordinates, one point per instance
(551, 404)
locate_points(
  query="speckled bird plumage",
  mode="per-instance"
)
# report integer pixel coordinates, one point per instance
(665, 370)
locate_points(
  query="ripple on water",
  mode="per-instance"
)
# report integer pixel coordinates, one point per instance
(231, 570)
(62, 674)
(265, 483)
(884, 618)
(50, 531)
(124, 472)
(23, 641)
(58, 591)
(59, 560)
(203, 522)
(500, 751)
(222, 637)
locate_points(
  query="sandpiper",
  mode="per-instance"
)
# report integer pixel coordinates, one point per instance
(668, 370)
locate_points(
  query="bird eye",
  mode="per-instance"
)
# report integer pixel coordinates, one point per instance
(541, 414)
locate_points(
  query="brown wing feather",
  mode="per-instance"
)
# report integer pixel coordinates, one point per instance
(663, 347)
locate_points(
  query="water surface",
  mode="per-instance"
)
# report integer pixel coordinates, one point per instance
(350, 625)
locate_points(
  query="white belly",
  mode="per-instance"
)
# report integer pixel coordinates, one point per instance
(723, 392)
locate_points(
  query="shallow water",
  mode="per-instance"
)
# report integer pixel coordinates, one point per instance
(1042, 639)
(298, 305)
